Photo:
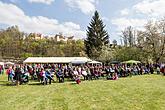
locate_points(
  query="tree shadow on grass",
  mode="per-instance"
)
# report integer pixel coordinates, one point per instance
(7, 84)
(73, 83)
(36, 84)
(41, 84)
(13, 84)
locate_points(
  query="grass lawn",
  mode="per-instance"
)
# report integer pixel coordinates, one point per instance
(145, 92)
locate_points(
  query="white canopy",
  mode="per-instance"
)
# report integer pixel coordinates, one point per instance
(55, 59)
(2, 63)
(95, 62)
(78, 62)
(9, 63)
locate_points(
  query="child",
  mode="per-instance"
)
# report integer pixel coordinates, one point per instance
(76, 76)
(114, 77)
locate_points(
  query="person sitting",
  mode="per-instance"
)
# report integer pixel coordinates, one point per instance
(60, 76)
(43, 77)
(76, 76)
(158, 70)
(70, 73)
(146, 71)
(89, 75)
(151, 69)
(25, 78)
(96, 73)
(84, 73)
(162, 70)
(113, 77)
(49, 76)
(111, 71)
(107, 71)
(129, 71)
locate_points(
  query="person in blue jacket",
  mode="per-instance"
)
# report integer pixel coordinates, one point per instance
(49, 76)
(60, 75)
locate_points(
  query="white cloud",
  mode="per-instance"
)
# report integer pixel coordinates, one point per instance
(124, 12)
(13, 1)
(48, 2)
(12, 15)
(139, 14)
(122, 23)
(151, 7)
(86, 6)
(105, 18)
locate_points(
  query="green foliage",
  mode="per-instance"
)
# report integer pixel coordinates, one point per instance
(106, 55)
(128, 53)
(152, 40)
(97, 37)
(14, 43)
(147, 45)
(10, 42)
(26, 55)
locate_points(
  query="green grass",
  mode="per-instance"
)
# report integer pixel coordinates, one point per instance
(145, 92)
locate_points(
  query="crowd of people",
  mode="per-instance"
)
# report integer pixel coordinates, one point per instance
(46, 73)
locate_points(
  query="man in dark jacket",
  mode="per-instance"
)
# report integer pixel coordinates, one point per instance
(18, 74)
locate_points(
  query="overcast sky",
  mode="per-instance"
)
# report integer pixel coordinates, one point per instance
(71, 17)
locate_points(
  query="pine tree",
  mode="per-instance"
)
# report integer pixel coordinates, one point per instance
(97, 37)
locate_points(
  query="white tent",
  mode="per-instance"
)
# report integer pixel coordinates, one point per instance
(78, 62)
(2, 63)
(54, 59)
(95, 62)
(9, 63)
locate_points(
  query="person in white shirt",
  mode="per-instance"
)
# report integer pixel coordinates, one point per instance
(76, 76)
(84, 73)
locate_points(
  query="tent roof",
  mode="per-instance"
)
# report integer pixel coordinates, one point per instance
(54, 59)
(9, 63)
(132, 61)
(95, 62)
(1, 63)
(78, 62)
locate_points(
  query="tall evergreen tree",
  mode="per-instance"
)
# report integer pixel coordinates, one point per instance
(97, 37)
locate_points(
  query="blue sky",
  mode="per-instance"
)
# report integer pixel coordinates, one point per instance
(71, 17)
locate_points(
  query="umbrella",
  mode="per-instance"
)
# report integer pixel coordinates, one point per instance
(132, 62)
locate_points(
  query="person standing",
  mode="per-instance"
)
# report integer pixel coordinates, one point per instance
(18, 74)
